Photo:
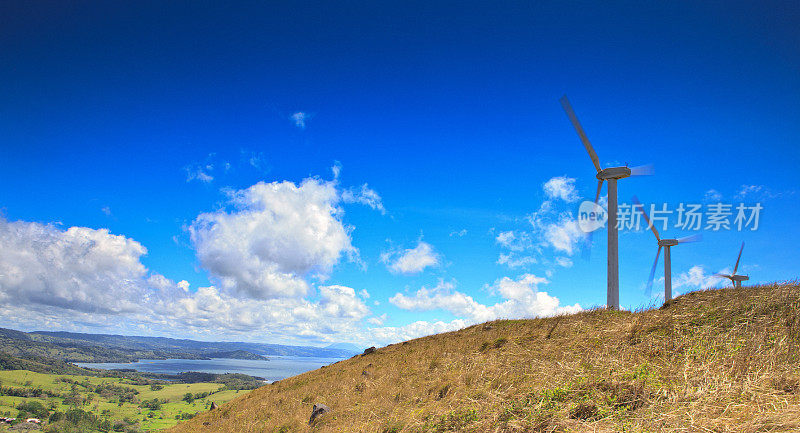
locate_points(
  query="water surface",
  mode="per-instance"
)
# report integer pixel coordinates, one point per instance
(275, 368)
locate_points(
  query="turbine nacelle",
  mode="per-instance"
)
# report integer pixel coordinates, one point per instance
(668, 242)
(613, 173)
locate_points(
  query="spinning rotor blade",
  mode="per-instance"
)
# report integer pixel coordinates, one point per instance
(737, 259)
(588, 239)
(643, 170)
(652, 273)
(646, 218)
(730, 277)
(577, 125)
(692, 238)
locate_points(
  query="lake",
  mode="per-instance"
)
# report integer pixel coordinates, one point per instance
(276, 368)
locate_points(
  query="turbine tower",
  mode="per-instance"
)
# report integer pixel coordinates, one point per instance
(611, 174)
(736, 280)
(666, 244)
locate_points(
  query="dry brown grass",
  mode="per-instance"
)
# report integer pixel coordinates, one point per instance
(713, 361)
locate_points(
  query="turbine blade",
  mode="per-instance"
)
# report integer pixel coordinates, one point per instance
(577, 125)
(587, 249)
(643, 170)
(652, 274)
(646, 218)
(723, 276)
(737, 259)
(599, 187)
(692, 238)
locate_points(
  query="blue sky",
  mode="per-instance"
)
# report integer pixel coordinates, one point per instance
(157, 122)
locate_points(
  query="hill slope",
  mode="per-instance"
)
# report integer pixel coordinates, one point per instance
(720, 360)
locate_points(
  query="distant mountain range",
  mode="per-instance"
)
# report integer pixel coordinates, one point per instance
(346, 346)
(79, 347)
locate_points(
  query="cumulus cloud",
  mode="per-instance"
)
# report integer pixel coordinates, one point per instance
(336, 311)
(521, 299)
(364, 195)
(553, 226)
(391, 334)
(696, 278)
(274, 237)
(564, 234)
(561, 187)
(79, 268)
(412, 260)
(87, 279)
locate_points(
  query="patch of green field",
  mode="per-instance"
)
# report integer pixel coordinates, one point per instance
(65, 392)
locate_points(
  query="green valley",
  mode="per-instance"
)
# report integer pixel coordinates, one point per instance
(88, 403)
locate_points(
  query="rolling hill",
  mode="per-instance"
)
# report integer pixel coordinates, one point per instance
(80, 347)
(721, 360)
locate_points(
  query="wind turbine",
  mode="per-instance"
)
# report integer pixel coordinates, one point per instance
(736, 280)
(666, 244)
(610, 174)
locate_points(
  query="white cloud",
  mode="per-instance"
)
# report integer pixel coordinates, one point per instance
(184, 285)
(199, 172)
(564, 235)
(79, 268)
(522, 299)
(561, 187)
(552, 226)
(202, 171)
(86, 279)
(415, 330)
(516, 261)
(564, 262)
(712, 196)
(695, 278)
(106, 210)
(514, 241)
(336, 312)
(299, 118)
(378, 320)
(758, 192)
(276, 235)
(413, 260)
(364, 195)
(256, 160)
(459, 233)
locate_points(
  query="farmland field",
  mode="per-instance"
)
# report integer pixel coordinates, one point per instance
(125, 405)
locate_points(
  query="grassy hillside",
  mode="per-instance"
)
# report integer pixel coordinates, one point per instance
(719, 360)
